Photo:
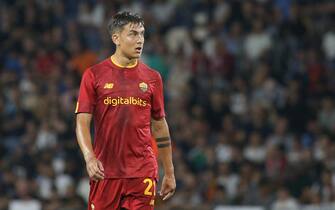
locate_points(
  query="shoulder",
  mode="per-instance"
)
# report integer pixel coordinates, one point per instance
(100, 66)
(150, 72)
(98, 69)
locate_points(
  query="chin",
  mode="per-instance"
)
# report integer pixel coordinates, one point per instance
(136, 56)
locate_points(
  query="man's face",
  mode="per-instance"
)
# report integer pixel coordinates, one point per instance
(130, 40)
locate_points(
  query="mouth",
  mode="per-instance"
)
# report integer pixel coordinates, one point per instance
(138, 49)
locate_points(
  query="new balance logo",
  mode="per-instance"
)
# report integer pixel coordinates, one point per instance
(108, 86)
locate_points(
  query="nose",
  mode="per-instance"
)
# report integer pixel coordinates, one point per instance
(140, 39)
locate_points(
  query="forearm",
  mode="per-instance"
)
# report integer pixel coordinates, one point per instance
(160, 131)
(84, 135)
(165, 156)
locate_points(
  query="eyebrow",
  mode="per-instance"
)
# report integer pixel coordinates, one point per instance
(132, 30)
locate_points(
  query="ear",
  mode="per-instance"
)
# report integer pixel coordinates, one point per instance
(116, 39)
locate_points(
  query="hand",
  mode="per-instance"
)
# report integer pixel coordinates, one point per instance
(95, 169)
(168, 187)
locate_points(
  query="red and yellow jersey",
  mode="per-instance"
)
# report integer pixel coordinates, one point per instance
(154, 146)
(123, 101)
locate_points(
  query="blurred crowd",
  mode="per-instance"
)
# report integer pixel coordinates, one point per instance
(249, 89)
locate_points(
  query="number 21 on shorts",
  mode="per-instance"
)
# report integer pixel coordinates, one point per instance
(151, 187)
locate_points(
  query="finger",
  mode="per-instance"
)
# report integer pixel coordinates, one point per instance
(166, 189)
(98, 177)
(162, 190)
(99, 174)
(90, 172)
(100, 166)
(167, 196)
(97, 171)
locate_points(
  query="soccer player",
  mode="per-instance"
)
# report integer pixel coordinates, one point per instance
(125, 99)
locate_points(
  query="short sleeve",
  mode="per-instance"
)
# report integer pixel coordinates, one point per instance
(87, 95)
(157, 106)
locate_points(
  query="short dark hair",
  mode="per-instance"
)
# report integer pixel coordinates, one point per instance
(121, 19)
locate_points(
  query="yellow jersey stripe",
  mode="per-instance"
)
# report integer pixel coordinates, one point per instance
(77, 107)
(116, 64)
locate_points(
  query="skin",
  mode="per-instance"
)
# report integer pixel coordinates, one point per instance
(126, 41)
(160, 130)
(130, 37)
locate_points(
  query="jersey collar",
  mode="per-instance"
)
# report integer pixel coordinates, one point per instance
(123, 67)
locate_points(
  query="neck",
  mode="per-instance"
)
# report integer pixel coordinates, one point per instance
(122, 61)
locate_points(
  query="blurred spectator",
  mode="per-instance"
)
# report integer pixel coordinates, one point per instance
(24, 199)
(255, 150)
(328, 44)
(257, 41)
(284, 201)
(327, 114)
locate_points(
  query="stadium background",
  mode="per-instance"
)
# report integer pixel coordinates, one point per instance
(249, 89)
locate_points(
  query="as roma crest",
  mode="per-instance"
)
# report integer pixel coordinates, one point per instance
(143, 86)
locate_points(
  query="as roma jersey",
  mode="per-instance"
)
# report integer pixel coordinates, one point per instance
(122, 102)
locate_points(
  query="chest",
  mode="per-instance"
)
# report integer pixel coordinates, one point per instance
(124, 84)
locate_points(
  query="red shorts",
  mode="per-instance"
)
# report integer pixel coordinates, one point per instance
(116, 194)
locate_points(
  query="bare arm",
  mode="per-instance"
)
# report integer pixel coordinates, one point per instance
(94, 167)
(83, 134)
(160, 131)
